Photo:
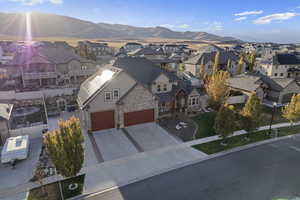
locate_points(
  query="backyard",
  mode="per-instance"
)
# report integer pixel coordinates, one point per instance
(236, 141)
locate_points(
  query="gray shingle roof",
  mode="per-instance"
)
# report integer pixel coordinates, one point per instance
(286, 59)
(146, 51)
(5, 111)
(244, 82)
(142, 69)
(205, 57)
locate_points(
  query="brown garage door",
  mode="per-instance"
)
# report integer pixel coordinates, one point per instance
(102, 120)
(138, 117)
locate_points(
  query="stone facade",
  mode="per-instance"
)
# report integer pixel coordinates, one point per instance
(138, 99)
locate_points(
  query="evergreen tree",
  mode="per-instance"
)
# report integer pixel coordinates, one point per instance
(217, 88)
(225, 122)
(291, 111)
(250, 115)
(65, 148)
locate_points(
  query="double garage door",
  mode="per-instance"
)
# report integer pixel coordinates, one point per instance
(106, 119)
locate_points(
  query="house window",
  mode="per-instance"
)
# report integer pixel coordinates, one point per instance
(275, 74)
(108, 96)
(165, 87)
(194, 101)
(281, 74)
(83, 67)
(116, 94)
(158, 88)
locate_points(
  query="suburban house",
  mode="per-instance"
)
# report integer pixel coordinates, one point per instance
(112, 98)
(132, 46)
(97, 48)
(246, 85)
(171, 48)
(148, 52)
(281, 66)
(51, 66)
(279, 90)
(5, 116)
(228, 60)
(174, 94)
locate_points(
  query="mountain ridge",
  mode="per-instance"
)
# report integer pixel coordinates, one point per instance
(52, 25)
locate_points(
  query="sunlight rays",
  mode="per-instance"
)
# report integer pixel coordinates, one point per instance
(28, 36)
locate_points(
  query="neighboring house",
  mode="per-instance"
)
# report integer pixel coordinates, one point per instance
(51, 66)
(248, 84)
(132, 46)
(208, 58)
(281, 66)
(148, 52)
(279, 90)
(5, 116)
(112, 98)
(98, 49)
(171, 48)
(174, 94)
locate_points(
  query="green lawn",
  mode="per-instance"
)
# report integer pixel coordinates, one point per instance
(205, 123)
(236, 141)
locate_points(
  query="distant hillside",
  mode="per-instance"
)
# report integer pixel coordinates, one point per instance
(50, 25)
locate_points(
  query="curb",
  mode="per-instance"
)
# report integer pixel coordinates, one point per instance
(209, 157)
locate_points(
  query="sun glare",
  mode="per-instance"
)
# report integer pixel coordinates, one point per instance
(28, 27)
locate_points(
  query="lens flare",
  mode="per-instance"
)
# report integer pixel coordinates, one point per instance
(28, 27)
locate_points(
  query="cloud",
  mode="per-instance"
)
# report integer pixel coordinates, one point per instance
(240, 18)
(183, 26)
(35, 2)
(254, 12)
(275, 17)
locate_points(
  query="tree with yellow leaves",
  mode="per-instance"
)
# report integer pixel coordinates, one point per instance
(216, 63)
(65, 147)
(291, 111)
(240, 65)
(217, 88)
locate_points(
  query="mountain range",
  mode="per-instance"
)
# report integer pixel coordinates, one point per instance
(51, 25)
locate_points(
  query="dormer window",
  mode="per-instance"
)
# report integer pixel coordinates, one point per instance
(158, 88)
(165, 87)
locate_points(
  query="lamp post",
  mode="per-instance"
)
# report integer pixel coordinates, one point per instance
(273, 111)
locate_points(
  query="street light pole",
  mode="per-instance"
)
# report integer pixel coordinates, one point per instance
(273, 111)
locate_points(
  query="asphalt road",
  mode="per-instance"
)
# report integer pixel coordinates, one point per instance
(264, 172)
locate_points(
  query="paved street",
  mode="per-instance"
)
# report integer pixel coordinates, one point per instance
(264, 172)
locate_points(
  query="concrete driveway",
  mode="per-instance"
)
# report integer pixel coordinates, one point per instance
(24, 169)
(113, 144)
(151, 136)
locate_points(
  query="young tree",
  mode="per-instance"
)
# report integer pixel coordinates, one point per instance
(217, 88)
(240, 65)
(251, 61)
(65, 148)
(202, 71)
(250, 115)
(225, 122)
(216, 63)
(291, 111)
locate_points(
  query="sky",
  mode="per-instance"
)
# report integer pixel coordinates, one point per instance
(250, 20)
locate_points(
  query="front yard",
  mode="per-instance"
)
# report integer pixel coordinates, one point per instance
(236, 141)
(205, 121)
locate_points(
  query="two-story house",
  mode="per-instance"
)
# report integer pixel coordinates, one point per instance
(112, 98)
(96, 48)
(132, 46)
(51, 66)
(174, 94)
(281, 66)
